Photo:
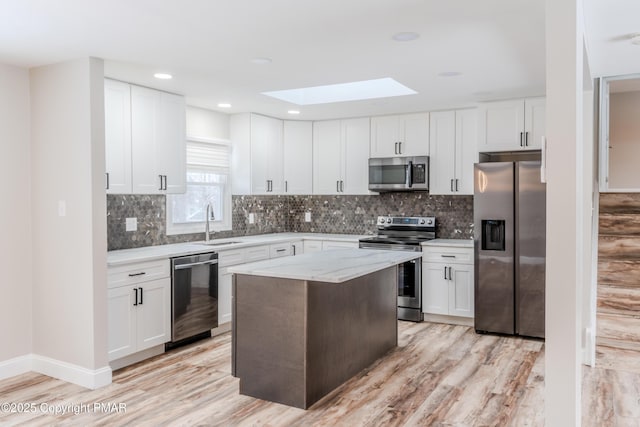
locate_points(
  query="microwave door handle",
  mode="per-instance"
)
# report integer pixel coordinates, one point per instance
(410, 174)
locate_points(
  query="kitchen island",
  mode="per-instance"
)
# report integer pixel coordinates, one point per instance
(303, 325)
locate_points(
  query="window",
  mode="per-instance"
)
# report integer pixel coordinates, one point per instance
(207, 183)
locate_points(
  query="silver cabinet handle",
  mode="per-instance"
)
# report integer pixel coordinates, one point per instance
(280, 250)
(136, 296)
(141, 296)
(337, 186)
(193, 264)
(107, 174)
(395, 150)
(286, 186)
(399, 147)
(452, 185)
(526, 139)
(448, 256)
(160, 182)
(456, 184)
(450, 276)
(293, 247)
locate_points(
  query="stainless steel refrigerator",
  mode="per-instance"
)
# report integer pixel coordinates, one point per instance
(509, 227)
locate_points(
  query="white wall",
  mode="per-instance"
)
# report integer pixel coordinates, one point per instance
(624, 140)
(202, 123)
(15, 214)
(565, 212)
(67, 145)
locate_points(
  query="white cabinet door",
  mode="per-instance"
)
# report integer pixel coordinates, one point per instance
(266, 147)
(154, 313)
(400, 135)
(298, 157)
(117, 111)
(224, 295)
(240, 170)
(443, 153)
(466, 151)
(121, 316)
(327, 157)
(414, 131)
(355, 162)
(501, 126)
(435, 289)
(384, 136)
(535, 122)
(145, 115)
(171, 143)
(461, 291)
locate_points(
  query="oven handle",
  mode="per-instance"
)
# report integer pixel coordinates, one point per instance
(184, 266)
(410, 174)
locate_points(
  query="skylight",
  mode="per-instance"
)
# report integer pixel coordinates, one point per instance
(354, 91)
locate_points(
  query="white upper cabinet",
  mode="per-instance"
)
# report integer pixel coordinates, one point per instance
(400, 135)
(511, 125)
(117, 111)
(267, 175)
(298, 157)
(452, 151)
(341, 156)
(145, 139)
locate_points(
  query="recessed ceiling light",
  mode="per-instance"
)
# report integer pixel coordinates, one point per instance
(163, 76)
(224, 105)
(449, 73)
(405, 37)
(293, 112)
(261, 61)
(354, 91)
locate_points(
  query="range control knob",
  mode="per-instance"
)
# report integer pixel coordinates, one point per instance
(381, 221)
(430, 222)
(388, 220)
(422, 221)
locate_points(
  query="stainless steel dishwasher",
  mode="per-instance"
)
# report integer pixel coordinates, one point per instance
(194, 297)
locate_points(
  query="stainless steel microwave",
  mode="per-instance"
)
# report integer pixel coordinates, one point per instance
(399, 174)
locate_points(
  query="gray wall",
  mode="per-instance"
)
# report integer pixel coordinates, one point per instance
(273, 214)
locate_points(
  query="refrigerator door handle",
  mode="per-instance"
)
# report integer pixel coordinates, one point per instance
(543, 160)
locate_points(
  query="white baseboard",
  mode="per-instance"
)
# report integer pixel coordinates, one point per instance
(16, 366)
(136, 357)
(88, 378)
(64, 371)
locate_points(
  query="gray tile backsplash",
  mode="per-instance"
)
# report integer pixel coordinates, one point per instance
(273, 214)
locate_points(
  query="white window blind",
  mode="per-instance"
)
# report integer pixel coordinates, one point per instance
(208, 156)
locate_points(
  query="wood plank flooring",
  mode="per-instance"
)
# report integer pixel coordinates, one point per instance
(441, 375)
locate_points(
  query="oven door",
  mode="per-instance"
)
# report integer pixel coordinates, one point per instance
(410, 284)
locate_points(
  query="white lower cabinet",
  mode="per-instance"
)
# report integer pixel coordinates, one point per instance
(312, 246)
(224, 295)
(447, 281)
(139, 313)
(338, 244)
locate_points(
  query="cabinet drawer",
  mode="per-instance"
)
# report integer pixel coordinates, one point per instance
(232, 257)
(333, 244)
(123, 275)
(280, 249)
(256, 253)
(449, 255)
(312, 246)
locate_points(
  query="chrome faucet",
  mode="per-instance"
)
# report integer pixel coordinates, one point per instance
(207, 230)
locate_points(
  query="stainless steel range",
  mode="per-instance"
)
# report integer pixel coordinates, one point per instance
(401, 233)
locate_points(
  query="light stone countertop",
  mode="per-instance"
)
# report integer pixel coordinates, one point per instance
(151, 253)
(335, 266)
(460, 243)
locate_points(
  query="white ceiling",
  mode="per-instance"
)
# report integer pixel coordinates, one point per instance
(497, 45)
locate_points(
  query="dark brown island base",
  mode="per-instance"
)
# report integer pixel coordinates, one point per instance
(295, 339)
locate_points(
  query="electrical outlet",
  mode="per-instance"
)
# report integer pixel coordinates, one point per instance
(252, 218)
(131, 224)
(307, 216)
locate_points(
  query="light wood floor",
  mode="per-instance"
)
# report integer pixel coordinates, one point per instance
(438, 375)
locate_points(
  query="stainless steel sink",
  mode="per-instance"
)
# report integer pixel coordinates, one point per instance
(218, 243)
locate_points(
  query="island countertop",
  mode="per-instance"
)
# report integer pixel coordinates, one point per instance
(335, 266)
